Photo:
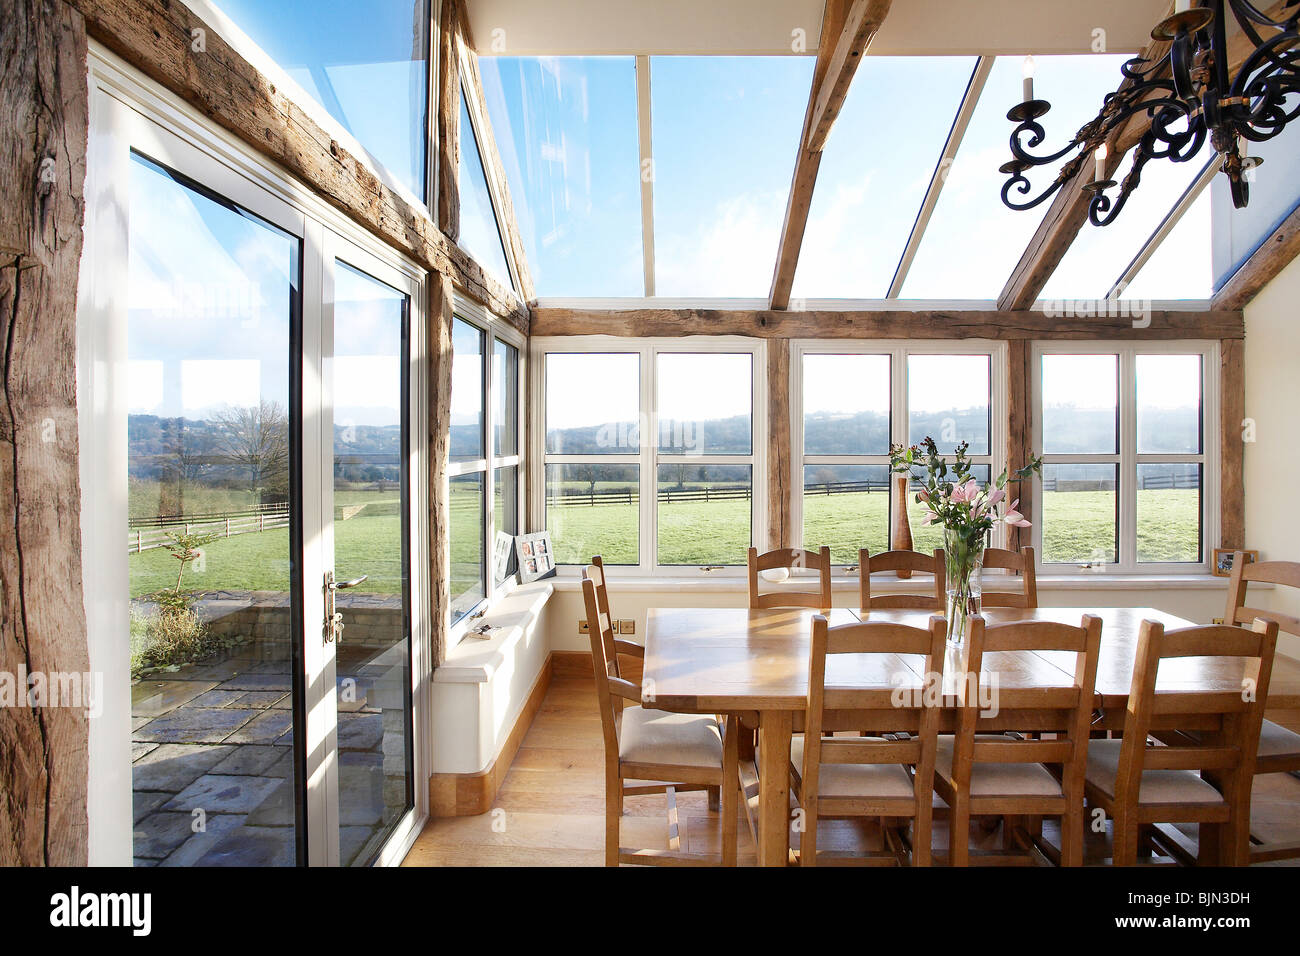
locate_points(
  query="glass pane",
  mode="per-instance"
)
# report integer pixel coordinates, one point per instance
(505, 386)
(1181, 267)
(926, 538)
(1169, 404)
(949, 264)
(705, 513)
(705, 404)
(1080, 514)
(726, 130)
(505, 511)
(1080, 404)
(1274, 192)
(593, 404)
(1169, 512)
(1100, 254)
(371, 500)
(480, 235)
(948, 400)
(466, 438)
(213, 298)
(367, 64)
(846, 404)
(566, 130)
(909, 103)
(466, 526)
(593, 509)
(846, 507)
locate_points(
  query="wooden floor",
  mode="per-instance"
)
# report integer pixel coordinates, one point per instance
(550, 809)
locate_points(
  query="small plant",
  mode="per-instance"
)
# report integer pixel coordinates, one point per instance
(186, 547)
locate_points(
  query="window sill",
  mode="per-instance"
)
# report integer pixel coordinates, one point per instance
(1054, 582)
(475, 659)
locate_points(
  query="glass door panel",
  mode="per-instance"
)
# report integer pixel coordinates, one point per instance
(369, 386)
(214, 531)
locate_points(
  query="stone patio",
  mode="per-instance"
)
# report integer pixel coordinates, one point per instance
(213, 773)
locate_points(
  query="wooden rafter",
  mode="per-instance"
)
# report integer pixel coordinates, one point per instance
(1273, 255)
(847, 30)
(886, 324)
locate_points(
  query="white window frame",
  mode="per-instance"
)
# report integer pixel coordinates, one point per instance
(1128, 459)
(647, 457)
(492, 328)
(900, 412)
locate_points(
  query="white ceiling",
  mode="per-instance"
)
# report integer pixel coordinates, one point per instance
(912, 28)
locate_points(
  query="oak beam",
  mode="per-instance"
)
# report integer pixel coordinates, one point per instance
(860, 28)
(887, 324)
(155, 37)
(1232, 411)
(780, 490)
(439, 328)
(838, 24)
(448, 120)
(43, 740)
(1273, 255)
(1020, 421)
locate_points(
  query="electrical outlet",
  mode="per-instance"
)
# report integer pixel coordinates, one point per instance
(583, 627)
(1216, 620)
(627, 627)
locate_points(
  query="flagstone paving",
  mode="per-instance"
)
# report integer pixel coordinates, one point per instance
(213, 772)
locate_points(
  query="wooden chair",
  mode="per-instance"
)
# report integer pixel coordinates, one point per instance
(873, 776)
(869, 564)
(1021, 561)
(791, 559)
(694, 751)
(1279, 748)
(1206, 780)
(1005, 774)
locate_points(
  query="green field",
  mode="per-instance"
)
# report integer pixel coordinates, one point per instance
(1079, 526)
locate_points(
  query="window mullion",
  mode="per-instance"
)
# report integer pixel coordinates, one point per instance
(1127, 477)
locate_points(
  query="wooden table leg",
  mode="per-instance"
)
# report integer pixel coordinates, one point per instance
(774, 730)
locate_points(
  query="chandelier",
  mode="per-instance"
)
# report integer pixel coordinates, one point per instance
(1188, 94)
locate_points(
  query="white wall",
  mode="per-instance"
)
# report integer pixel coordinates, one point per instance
(1272, 461)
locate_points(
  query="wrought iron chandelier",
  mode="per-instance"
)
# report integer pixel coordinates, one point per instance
(1188, 94)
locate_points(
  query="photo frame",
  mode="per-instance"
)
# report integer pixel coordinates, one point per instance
(536, 556)
(1222, 564)
(502, 549)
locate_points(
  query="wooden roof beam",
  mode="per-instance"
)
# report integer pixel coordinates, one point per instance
(847, 31)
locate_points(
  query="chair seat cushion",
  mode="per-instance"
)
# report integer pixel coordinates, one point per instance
(998, 779)
(1158, 786)
(656, 736)
(1276, 741)
(881, 780)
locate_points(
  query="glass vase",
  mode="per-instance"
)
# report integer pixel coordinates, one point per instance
(964, 560)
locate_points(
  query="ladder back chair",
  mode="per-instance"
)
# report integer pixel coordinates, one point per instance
(1006, 774)
(1279, 748)
(1205, 779)
(1021, 561)
(693, 751)
(887, 778)
(914, 561)
(791, 559)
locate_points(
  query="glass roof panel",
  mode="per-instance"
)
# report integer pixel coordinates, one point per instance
(973, 241)
(1100, 254)
(366, 64)
(1181, 266)
(1274, 192)
(874, 173)
(480, 235)
(566, 128)
(725, 132)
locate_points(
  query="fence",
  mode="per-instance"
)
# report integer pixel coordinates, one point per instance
(671, 495)
(150, 533)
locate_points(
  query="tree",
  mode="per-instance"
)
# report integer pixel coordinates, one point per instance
(256, 438)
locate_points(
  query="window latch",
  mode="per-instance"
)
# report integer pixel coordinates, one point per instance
(711, 567)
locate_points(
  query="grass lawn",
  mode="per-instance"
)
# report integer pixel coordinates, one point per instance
(1079, 526)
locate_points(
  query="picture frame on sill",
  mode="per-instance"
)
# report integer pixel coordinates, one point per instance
(536, 556)
(1222, 565)
(502, 550)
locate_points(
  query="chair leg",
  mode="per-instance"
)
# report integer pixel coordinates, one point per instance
(730, 790)
(808, 838)
(613, 816)
(1125, 845)
(1072, 837)
(922, 827)
(715, 798)
(959, 833)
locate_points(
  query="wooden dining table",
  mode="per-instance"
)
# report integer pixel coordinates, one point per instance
(754, 664)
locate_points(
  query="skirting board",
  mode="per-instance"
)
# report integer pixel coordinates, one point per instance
(469, 794)
(578, 664)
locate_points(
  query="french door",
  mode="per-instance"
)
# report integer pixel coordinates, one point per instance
(252, 434)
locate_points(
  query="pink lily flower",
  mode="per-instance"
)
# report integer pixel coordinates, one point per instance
(1014, 517)
(930, 518)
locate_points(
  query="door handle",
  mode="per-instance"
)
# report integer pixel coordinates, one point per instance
(333, 628)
